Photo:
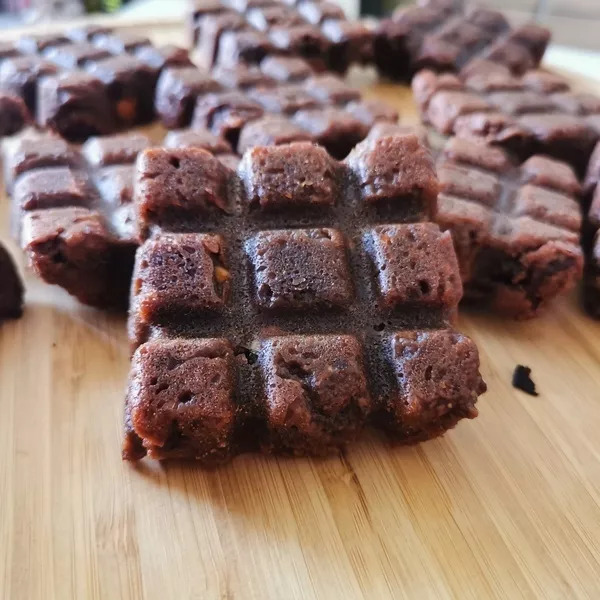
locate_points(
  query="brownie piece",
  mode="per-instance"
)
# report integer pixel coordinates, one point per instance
(515, 227)
(73, 248)
(176, 187)
(8, 50)
(75, 105)
(286, 99)
(275, 15)
(13, 114)
(114, 150)
(332, 127)
(210, 30)
(11, 292)
(73, 56)
(370, 112)
(544, 82)
(352, 42)
(242, 46)
(395, 171)
(286, 69)
(230, 161)
(532, 37)
(329, 89)
(20, 76)
(130, 85)
(181, 401)
(160, 57)
(197, 138)
(317, 393)
(176, 93)
(492, 21)
(305, 41)
(86, 33)
(224, 114)
(241, 77)
(122, 42)
(512, 54)
(271, 176)
(35, 44)
(318, 12)
(115, 185)
(271, 130)
(312, 321)
(446, 106)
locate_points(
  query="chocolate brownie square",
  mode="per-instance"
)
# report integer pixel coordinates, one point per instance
(115, 149)
(466, 182)
(446, 106)
(477, 154)
(20, 76)
(332, 127)
(548, 206)
(301, 176)
(86, 33)
(330, 89)
(210, 30)
(301, 269)
(160, 57)
(11, 293)
(415, 265)
(73, 56)
(179, 274)
(35, 44)
(577, 103)
(115, 185)
(179, 188)
(241, 77)
(317, 394)
(437, 374)
(243, 46)
(533, 37)
(271, 130)
(122, 42)
(225, 114)
(75, 105)
(426, 83)
(546, 172)
(393, 171)
(286, 99)
(265, 18)
(286, 69)
(370, 112)
(305, 41)
(520, 103)
(492, 21)
(176, 93)
(197, 138)
(181, 401)
(511, 54)
(352, 42)
(544, 82)
(13, 114)
(318, 12)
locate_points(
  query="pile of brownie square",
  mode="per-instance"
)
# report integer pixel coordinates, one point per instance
(292, 257)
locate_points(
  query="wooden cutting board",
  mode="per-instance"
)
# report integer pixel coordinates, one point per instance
(506, 506)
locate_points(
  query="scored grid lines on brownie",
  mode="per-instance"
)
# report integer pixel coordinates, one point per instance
(364, 315)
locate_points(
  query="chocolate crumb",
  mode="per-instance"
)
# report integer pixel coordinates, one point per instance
(522, 380)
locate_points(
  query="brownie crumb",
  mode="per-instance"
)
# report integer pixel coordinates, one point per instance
(522, 380)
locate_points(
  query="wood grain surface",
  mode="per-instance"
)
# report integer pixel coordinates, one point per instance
(506, 506)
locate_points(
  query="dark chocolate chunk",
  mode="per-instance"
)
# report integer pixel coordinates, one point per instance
(522, 380)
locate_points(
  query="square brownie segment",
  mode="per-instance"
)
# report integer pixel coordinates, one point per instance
(415, 265)
(121, 149)
(75, 105)
(161, 57)
(286, 69)
(301, 269)
(209, 32)
(247, 46)
(176, 93)
(271, 130)
(298, 177)
(438, 381)
(130, 86)
(74, 56)
(121, 42)
(317, 394)
(181, 401)
(14, 114)
(179, 189)
(11, 293)
(35, 44)
(179, 275)
(241, 76)
(305, 41)
(197, 138)
(395, 175)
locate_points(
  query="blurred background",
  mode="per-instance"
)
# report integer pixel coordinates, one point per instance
(574, 23)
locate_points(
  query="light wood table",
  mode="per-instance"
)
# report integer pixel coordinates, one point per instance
(506, 506)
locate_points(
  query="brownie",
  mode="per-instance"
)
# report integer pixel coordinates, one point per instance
(330, 89)
(370, 112)
(241, 76)
(243, 46)
(515, 227)
(224, 114)
(275, 15)
(197, 138)
(334, 128)
(590, 235)
(130, 86)
(351, 42)
(8, 50)
(286, 99)
(260, 331)
(176, 93)
(20, 76)
(286, 69)
(118, 149)
(11, 292)
(114, 184)
(210, 30)
(121, 42)
(13, 114)
(318, 12)
(305, 41)
(75, 105)
(159, 57)
(86, 33)
(35, 44)
(271, 130)
(73, 56)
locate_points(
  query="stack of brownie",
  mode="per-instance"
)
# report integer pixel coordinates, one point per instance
(89, 81)
(284, 307)
(441, 35)
(529, 114)
(229, 31)
(282, 100)
(72, 208)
